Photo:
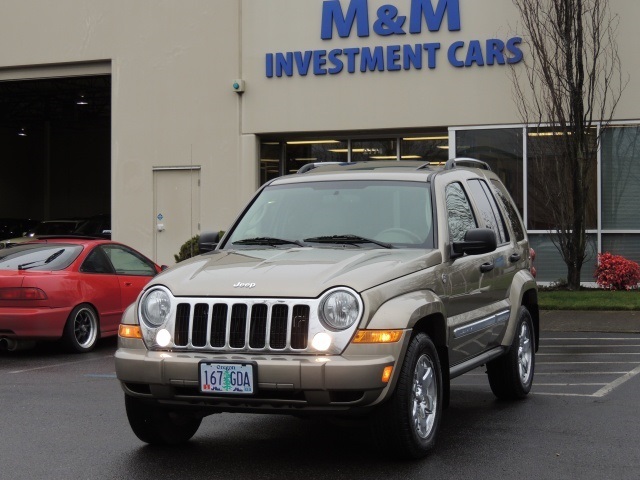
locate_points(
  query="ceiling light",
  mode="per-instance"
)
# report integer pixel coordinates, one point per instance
(412, 139)
(311, 142)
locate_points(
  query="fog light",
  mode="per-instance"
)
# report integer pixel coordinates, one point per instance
(163, 337)
(321, 342)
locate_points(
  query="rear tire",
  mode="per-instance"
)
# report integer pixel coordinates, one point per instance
(82, 329)
(511, 375)
(407, 424)
(159, 426)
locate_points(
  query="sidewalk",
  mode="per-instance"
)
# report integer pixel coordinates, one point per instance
(589, 321)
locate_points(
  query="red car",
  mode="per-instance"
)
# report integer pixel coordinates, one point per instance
(69, 288)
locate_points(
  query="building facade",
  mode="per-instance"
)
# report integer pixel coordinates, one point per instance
(207, 99)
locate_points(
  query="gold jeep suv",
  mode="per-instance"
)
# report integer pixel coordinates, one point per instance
(355, 289)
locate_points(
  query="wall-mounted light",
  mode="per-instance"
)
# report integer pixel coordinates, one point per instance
(238, 85)
(81, 100)
(22, 132)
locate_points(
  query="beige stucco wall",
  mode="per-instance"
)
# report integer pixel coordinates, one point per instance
(444, 96)
(173, 62)
(172, 65)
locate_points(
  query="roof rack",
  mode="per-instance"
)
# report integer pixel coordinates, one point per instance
(310, 166)
(464, 161)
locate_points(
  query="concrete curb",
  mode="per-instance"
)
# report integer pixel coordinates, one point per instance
(590, 321)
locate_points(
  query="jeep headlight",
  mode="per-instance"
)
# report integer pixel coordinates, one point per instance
(340, 309)
(155, 307)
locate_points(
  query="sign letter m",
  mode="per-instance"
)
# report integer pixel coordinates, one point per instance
(433, 16)
(332, 14)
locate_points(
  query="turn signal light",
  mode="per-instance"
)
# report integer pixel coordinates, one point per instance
(386, 374)
(130, 331)
(377, 336)
(22, 293)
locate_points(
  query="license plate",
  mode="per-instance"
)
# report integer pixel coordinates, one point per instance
(232, 378)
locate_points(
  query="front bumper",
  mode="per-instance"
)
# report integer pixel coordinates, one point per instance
(284, 382)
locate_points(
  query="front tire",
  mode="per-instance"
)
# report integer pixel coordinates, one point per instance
(408, 423)
(511, 375)
(158, 426)
(82, 329)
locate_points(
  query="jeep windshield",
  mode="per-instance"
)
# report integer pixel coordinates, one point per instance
(346, 214)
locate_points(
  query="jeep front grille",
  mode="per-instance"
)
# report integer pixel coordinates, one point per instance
(241, 326)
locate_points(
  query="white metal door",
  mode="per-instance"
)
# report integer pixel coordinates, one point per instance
(176, 200)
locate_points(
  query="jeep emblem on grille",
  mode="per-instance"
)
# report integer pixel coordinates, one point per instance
(244, 285)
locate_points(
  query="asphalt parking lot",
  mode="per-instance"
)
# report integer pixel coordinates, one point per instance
(582, 354)
(63, 417)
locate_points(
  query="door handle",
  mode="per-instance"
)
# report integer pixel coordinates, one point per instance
(486, 267)
(514, 257)
(127, 284)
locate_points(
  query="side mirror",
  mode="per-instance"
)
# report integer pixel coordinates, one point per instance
(208, 241)
(476, 241)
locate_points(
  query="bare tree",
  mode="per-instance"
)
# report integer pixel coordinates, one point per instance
(570, 85)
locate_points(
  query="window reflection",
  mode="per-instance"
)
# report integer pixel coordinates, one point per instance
(460, 215)
(432, 147)
(269, 161)
(620, 177)
(370, 150)
(502, 149)
(300, 152)
(549, 177)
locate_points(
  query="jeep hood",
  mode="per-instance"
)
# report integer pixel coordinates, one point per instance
(296, 272)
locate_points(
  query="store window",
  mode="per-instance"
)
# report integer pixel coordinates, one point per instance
(549, 178)
(372, 150)
(502, 149)
(300, 152)
(620, 178)
(432, 147)
(549, 264)
(269, 161)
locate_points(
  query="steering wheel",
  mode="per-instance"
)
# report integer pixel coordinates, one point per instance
(402, 232)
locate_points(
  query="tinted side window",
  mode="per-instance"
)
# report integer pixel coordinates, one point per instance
(488, 209)
(128, 262)
(459, 213)
(96, 262)
(513, 217)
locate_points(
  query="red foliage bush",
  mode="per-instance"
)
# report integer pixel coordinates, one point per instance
(615, 272)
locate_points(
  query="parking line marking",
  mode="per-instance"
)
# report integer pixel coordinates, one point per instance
(59, 365)
(113, 375)
(585, 354)
(616, 383)
(568, 384)
(586, 363)
(587, 346)
(633, 339)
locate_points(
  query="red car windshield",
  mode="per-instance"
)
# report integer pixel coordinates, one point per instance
(42, 257)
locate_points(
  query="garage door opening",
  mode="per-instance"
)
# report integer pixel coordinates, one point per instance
(55, 148)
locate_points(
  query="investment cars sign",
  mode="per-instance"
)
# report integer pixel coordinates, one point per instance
(407, 22)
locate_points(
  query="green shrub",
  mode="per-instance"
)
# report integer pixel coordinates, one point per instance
(188, 249)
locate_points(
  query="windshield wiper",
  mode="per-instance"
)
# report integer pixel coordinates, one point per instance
(347, 239)
(49, 259)
(267, 241)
